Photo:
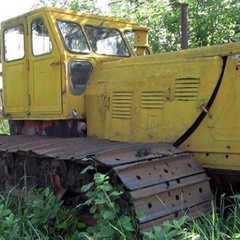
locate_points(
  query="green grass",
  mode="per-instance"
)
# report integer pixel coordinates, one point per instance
(46, 218)
(222, 223)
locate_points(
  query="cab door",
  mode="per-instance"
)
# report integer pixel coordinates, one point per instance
(44, 70)
(15, 82)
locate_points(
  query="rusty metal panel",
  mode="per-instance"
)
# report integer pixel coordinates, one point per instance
(165, 187)
(106, 152)
(192, 213)
(62, 148)
(170, 202)
(135, 152)
(147, 173)
(168, 186)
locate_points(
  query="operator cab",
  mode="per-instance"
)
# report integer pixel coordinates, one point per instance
(48, 56)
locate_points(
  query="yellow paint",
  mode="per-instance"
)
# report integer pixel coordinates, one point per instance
(38, 87)
(149, 101)
(15, 85)
(215, 141)
(220, 133)
(155, 98)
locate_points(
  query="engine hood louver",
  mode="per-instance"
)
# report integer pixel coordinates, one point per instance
(186, 89)
(122, 104)
(152, 99)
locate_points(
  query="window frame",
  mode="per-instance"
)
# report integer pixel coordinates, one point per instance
(23, 44)
(108, 28)
(32, 40)
(64, 42)
(81, 88)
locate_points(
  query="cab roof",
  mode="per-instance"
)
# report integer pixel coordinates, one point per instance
(70, 15)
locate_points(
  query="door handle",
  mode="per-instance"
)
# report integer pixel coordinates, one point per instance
(54, 63)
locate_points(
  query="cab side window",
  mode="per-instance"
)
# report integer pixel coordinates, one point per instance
(80, 72)
(41, 42)
(14, 43)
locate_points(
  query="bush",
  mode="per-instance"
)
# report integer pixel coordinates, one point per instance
(39, 217)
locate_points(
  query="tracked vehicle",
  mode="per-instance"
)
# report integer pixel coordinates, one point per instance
(81, 89)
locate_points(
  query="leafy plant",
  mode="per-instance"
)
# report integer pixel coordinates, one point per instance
(39, 217)
(176, 229)
(4, 127)
(112, 223)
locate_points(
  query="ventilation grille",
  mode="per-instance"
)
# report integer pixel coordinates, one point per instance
(122, 104)
(186, 89)
(152, 99)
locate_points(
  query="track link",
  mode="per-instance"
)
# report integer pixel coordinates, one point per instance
(163, 183)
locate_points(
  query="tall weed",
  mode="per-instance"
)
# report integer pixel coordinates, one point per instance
(39, 217)
(222, 223)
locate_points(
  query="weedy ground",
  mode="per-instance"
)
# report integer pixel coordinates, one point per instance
(43, 217)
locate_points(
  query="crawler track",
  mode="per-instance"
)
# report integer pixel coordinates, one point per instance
(163, 182)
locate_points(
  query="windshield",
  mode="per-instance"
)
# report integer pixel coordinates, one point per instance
(106, 41)
(73, 37)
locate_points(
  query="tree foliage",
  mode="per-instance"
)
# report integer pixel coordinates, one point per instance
(88, 6)
(212, 22)
(209, 22)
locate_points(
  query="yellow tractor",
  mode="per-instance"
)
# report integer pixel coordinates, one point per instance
(79, 86)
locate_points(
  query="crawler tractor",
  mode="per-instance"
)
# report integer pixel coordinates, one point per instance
(80, 87)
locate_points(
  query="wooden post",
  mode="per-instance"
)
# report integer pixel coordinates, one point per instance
(184, 26)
